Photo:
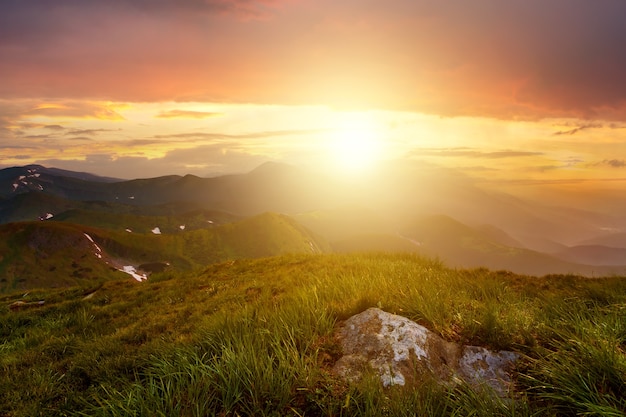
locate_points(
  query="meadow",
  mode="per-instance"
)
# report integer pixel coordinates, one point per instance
(254, 337)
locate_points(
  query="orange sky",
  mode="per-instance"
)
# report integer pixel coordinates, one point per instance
(520, 91)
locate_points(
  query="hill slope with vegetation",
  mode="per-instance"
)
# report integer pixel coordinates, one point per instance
(60, 254)
(255, 337)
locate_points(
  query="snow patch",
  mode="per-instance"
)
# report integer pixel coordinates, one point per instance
(182, 227)
(156, 231)
(15, 186)
(130, 270)
(21, 177)
(210, 221)
(98, 252)
(132, 197)
(47, 216)
(129, 231)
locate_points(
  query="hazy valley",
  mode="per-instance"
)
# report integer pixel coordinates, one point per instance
(183, 295)
(187, 222)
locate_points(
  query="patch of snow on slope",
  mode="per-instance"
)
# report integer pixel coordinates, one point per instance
(15, 186)
(182, 227)
(130, 270)
(98, 250)
(156, 231)
(129, 231)
(47, 216)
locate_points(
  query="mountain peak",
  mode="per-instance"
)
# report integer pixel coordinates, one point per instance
(273, 168)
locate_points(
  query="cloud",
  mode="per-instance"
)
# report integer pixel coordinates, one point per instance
(477, 168)
(89, 132)
(80, 139)
(517, 59)
(471, 153)
(74, 109)
(578, 129)
(11, 147)
(201, 161)
(54, 127)
(14, 111)
(187, 114)
(615, 163)
(252, 135)
(566, 164)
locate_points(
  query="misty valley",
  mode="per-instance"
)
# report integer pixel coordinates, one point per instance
(231, 295)
(61, 227)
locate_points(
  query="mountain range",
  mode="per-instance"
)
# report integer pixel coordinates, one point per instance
(52, 220)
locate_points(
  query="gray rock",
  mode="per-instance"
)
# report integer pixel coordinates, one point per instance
(403, 352)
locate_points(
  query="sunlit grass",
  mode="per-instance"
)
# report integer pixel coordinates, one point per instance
(254, 337)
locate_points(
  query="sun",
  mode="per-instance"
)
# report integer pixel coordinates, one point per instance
(356, 145)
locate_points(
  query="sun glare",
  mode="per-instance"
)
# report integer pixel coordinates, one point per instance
(356, 145)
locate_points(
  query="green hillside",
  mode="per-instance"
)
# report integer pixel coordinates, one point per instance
(145, 223)
(254, 338)
(59, 254)
(47, 254)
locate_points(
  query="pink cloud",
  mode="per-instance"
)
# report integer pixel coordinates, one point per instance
(522, 59)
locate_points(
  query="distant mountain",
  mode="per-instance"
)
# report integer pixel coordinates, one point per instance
(176, 223)
(348, 221)
(593, 255)
(375, 243)
(498, 235)
(269, 234)
(399, 192)
(459, 245)
(57, 254)
(29, 173)
(52, 181)
(614, 240)
(415, 206)
(271, 187)
(32, 205)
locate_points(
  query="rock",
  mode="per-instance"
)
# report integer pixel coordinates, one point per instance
(402, 352)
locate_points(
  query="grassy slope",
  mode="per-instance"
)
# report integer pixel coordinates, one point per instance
(46, 254)
(193, 220)
(58, 254)
(253, 337)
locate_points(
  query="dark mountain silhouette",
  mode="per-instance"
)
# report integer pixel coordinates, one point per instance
(448, 216)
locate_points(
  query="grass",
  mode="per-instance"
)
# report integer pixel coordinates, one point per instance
(58, 254)
(254, 337)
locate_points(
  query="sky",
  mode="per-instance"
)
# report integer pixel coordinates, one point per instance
(516, 92)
